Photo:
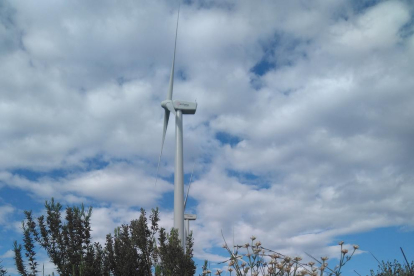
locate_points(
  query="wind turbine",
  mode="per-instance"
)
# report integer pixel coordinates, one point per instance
(188, 217)
(178, 108)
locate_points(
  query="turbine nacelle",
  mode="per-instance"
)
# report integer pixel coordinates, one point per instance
(184, 106)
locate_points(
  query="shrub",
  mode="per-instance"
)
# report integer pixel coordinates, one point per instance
(133, 250)
(394, 269)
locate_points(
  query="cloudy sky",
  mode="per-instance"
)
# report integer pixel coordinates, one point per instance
(303, 134)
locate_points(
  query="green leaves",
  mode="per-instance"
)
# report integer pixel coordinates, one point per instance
(133, 250)
(173, 260)
(2, 270)
(67, 243)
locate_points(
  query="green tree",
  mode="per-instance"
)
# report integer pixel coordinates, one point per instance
(132, 250)
(68, 244)
(173, 260)
(2, 270)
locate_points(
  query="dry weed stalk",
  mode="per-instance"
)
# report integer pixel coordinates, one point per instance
(253, 259)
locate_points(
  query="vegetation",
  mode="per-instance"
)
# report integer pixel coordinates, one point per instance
(253, 259)
(142, 248)
(132, 250)
(2, 270)
(394, 269)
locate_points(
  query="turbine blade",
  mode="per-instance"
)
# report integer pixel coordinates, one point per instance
(170, 107)
(166, 118)
(170, 90)
(188, 190)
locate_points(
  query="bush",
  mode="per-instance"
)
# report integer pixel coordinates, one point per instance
(133, 250)
(393, 269)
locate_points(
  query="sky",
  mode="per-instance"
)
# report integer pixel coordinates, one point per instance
(303, 134)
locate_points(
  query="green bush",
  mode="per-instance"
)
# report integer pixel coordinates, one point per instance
(395, 268)
(132, 250)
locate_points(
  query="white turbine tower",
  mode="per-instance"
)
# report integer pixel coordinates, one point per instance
(178, 108)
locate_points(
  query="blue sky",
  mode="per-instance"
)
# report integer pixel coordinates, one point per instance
(303, 134)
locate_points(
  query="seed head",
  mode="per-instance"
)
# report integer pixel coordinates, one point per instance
(341, 243)
(324, 259)
(344, 251)
(356, 246)
(275, 256)
(252, 238)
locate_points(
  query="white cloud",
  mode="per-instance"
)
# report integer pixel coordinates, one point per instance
(5, 212)
(8, 254)
(376, 29)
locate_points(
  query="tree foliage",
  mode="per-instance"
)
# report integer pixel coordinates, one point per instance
(3, 271)
(394, 269)
(133, 249)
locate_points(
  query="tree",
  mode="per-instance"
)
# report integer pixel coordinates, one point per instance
(132, 250)
(173, 260)
(2, 270)
(67, 244)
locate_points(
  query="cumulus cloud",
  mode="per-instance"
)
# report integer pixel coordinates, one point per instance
(5, 212)
(118, 184)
